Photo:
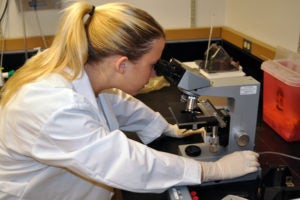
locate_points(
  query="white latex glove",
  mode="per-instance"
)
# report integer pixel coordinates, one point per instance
(175, 131)
(233, 165)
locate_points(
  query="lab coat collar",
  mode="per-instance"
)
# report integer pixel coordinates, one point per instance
(83, 86)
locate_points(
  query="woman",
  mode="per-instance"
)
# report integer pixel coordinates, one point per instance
(61, 129)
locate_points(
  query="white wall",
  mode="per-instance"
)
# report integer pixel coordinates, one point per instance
(12, 22)
(170, 13)
(210, 12)
(275, 22)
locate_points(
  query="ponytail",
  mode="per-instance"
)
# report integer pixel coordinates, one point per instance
(110, 29)
(68, 50)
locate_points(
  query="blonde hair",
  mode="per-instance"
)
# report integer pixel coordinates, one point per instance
(112, 29)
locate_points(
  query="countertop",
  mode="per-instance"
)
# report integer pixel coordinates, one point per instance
(274, 167)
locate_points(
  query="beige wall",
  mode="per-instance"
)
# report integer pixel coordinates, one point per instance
(275, 22)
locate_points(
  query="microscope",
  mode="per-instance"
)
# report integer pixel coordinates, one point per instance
(229, 127)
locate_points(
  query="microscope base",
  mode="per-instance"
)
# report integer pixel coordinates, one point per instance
(204, 152)
(207, 156)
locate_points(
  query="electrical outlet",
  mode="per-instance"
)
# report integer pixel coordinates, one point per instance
(247, 45)
(30, 5)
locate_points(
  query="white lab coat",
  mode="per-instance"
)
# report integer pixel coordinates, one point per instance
(58, 141)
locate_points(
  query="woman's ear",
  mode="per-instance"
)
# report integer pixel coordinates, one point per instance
(121, 64)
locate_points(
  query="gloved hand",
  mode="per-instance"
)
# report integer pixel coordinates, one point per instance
(175, 131)
(233, 165)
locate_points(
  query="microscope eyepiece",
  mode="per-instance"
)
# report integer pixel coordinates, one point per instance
(172, 71)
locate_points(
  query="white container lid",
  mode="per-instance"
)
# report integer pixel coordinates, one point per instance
(284, 70)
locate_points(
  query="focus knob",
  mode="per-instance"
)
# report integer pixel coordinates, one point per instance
(242, 139)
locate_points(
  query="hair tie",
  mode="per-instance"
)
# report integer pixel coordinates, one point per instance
(92, 11)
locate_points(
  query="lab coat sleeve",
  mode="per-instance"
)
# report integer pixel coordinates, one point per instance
(133, 115)
(74, 139)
